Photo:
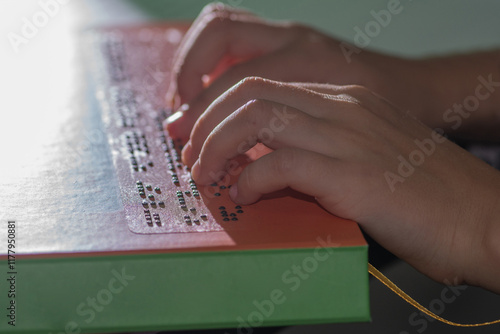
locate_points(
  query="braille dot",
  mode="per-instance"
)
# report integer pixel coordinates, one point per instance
(233, 214)
(161, 203)
(203, 216)
(226, 219)
(153, 204)
(217, 194)
(142, 194)
(235, 219)
(223, 212)
(213, 185)
(223, 187)
(239, 211)
(192, 209)
(138, 182)
(151, 196)
(145, 203)
(237, 207)
(187, 192)
(149, 187)
(150, 164)
(143, 167)
(196, 221)
(222, 208)
(157, 189)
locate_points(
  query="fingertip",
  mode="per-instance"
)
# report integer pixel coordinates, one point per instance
(233, 193)
(195, 171)
(244, 197)
(186, 153)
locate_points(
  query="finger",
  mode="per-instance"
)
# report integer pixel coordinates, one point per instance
(210, 9)
(219, 35)
(269, 66)
(255, 88)
(329, 180)
(260, 66)
(257, 122)
(193, 31)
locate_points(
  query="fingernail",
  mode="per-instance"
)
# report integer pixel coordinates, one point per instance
(233, 192)
(186, 152)
(195, 170)
(176, 115)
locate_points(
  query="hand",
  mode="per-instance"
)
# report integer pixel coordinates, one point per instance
(418, 194)
(222, 36)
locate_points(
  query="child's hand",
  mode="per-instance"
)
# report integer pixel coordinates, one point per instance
(281, 51)
(418, 194)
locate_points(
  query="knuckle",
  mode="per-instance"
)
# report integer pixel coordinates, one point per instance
(357, 91)
(360, 93)
(357, 95)
(253, 112)
(216, 22)
(249, 84)
(212, 7)
(299, 29)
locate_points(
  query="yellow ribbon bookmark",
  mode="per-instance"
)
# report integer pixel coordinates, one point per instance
(387, 282)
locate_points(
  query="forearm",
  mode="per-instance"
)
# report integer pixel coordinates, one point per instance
(490, 277)
(481, 262)
(460, 94)
(463, 95)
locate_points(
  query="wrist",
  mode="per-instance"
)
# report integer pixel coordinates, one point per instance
(404, 82)
(463, 94)
(484, 268)
(491, 276)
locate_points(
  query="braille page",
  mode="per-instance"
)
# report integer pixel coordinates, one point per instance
(131, 69)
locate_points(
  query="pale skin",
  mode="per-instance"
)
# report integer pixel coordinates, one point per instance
(341, 137)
